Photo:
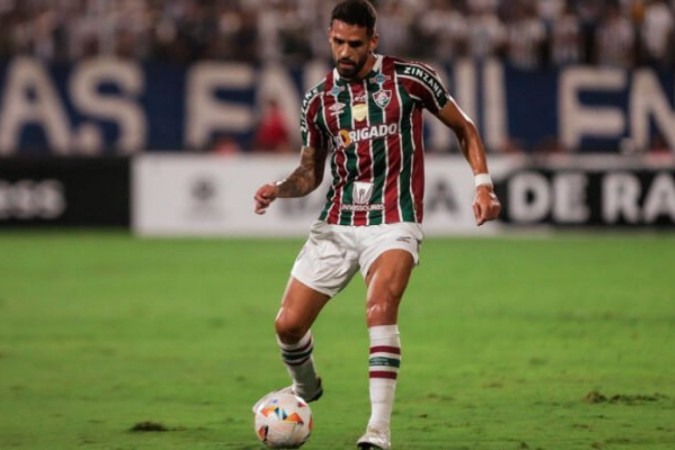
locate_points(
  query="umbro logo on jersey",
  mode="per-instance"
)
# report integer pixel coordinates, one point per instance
(337, 109)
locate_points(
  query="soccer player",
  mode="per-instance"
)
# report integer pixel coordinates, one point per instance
(367, 113)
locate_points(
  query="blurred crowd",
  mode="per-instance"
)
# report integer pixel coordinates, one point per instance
(528, 34)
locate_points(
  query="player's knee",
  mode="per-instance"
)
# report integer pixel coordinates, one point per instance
(381, 313)
(382, 305)
(386, 295)
(289, 331)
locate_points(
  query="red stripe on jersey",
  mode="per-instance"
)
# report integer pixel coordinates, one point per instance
(394, 147)
(314, 140)
(362, 150)
(338, 157)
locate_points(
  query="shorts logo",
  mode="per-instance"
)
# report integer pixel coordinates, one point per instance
(382, 97)
(362, 192)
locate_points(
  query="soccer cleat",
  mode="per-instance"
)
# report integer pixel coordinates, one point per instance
(314, 396)
(375, 439)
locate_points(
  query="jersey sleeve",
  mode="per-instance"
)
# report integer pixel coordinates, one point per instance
(311, 132)
(424, 85)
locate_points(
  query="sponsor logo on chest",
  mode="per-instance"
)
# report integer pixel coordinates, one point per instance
(347, 137)
(362, 193)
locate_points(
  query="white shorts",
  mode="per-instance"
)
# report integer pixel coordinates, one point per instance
(333, 253)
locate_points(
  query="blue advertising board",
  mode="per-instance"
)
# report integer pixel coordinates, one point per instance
(110, 106)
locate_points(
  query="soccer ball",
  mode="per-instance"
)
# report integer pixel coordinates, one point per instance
(283, 421)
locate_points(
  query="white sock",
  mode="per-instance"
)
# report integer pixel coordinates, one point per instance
(300, 364)
(384, 362)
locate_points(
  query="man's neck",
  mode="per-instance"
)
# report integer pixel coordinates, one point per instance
(367, 67)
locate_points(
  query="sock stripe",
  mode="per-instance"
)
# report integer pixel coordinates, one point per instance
(291, 348)
(297, 356)
(292, 356)
(382, 361)
(383, 374)
(385, 349)
(296, 363)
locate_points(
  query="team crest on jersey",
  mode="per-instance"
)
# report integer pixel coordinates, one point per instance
(360, 111)
(382, 97)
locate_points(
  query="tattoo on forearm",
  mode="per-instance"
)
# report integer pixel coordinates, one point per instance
(306, 177)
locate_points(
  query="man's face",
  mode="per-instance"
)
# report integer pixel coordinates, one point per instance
(350, 46)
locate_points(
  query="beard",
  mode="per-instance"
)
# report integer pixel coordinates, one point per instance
(350, 69)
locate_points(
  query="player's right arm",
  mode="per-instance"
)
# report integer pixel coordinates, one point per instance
(303, 180)
(309, 173)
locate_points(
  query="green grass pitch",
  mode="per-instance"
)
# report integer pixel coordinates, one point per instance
(551, 343)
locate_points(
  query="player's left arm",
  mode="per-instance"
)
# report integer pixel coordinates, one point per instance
(486, 205)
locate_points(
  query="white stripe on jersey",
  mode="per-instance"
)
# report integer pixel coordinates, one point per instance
(400, 130)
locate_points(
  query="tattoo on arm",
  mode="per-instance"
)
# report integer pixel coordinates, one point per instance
(307, 176)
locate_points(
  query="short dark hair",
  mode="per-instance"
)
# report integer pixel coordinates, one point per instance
(356, 12)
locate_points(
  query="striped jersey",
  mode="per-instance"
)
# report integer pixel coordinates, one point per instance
(374, 129)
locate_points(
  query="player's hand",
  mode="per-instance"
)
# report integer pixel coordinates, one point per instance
(486, 205)
(264, 196)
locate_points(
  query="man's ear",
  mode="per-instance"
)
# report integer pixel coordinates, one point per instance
(374, 41)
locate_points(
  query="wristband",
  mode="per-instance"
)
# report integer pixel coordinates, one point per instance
(483, 179)
(278, 183)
